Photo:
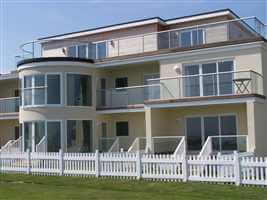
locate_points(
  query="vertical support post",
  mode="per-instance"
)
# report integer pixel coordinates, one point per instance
(97, 163)
(28, 161)
(138, 165)
(61, 162)
(265, 170)
(237, 168)
(184, 167)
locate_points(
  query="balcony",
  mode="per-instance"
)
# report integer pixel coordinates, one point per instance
(212, 85)
(9, 108)
(197, 36)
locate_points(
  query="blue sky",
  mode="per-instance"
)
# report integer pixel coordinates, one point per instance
(25, 20)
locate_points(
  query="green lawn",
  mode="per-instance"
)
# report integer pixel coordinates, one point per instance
(48, 188)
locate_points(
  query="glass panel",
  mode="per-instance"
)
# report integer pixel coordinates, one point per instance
(211, 128)
(226, 79)
(101, 50)
(228, 127)
(209, 81)
(79, 136)
(72, 51)
(185, 39)
(163, 40)
(53, 136)
(197, 37)
(53, 89)
(79, 90)
(151, 92)
(92, 51)
(27, 97)
(27, 81)
(82, 51)
(27, 136)
(193, 129)
(191, 83)
(122, 129)
(39, 80)
(39, 96)
(39, 131)
(174, 39)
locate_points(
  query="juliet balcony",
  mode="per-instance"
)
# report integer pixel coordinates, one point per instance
(228, 84)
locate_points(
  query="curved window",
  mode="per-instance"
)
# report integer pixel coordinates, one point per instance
(79, 89)
(41, 89)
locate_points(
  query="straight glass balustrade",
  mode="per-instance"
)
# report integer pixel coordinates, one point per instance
(9, 105)
(193, 36)
(205, 85)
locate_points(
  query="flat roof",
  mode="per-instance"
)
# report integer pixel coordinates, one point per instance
(146, 21)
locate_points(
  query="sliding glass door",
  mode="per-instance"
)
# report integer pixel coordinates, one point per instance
(208, 79)
(198, 129)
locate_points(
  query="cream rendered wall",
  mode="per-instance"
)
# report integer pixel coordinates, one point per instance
(171, 122)
(244, 60)
(7, 88)
(7, 131)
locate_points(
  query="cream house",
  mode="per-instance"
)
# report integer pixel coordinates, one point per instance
(151, 85)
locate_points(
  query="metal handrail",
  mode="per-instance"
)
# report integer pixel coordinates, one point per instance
(40, 41)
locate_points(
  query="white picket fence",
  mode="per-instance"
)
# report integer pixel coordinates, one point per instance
(228, 169)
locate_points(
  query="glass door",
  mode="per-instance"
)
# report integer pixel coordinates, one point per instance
(194, 133)
(53, 136)
(209, 79)
(211, 128)
(191, 81)
(28, 136)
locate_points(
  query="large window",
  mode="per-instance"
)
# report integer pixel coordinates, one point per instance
(200, 128)
(41, 89)
(191, 38)
(207, 79)
(41, 135)
(79, 136)
(79, 89)
(121, 82)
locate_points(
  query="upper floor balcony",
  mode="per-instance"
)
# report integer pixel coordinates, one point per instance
(183, 88)
(181, 39)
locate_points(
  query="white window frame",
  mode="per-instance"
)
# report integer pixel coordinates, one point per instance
(45, 90)
(202, 123)
(65, 142)
(191, 36)
(66, 90)
(200, 64)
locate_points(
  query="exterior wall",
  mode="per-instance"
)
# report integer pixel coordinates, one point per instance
(171, 122)
(8, 87)
(244, 60)
(53, 49)
(7, 130)
(216, 33)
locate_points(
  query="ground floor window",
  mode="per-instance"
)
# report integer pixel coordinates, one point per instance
(45, 133)
(122, 128)
(198, 129)
(79, 136)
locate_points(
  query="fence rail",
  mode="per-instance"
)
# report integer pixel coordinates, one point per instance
(229, 169)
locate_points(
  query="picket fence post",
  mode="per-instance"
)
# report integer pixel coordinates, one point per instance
(265, 170)
(138, 165)
(97, 164)
(1, 163)
(184, 168)
(61, 162)
(237, 170)
(28, 161)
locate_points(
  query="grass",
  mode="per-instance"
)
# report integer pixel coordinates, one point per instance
(20, 187)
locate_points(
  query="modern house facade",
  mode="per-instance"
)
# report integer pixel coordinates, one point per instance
(153, 85)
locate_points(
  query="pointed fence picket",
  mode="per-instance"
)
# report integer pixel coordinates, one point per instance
(233, 169)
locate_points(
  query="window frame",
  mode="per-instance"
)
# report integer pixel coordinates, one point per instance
(191, 37)
(32, 88)
(66, 90)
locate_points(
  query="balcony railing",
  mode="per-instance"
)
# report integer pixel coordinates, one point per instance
(193, 36)
(182, 87)
(9, 105)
